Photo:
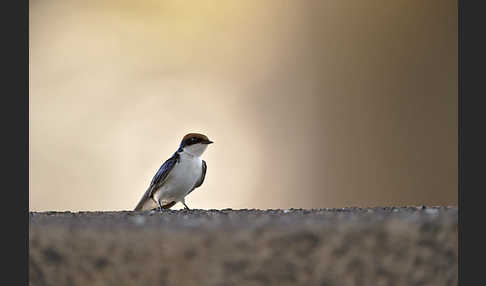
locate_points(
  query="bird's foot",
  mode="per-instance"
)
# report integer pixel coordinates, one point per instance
(186, 207)
(160, 207)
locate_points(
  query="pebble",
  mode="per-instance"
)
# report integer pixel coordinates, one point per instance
(138, 220)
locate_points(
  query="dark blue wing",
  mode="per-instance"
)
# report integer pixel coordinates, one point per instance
(159, 179)
(163, 171)
(201, 179)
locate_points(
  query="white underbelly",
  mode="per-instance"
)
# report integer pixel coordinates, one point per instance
(180, 180)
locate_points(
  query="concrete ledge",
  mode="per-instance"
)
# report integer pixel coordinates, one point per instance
(378, 246)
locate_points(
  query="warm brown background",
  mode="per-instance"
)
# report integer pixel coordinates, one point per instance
(310, 103)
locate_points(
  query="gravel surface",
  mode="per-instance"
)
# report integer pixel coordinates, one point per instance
(351, 246)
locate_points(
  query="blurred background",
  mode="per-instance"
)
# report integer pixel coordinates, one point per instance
(311, 104)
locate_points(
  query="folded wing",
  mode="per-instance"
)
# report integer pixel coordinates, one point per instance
(158, 180)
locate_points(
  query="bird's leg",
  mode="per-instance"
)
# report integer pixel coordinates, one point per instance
(160, 206)
(185, 206)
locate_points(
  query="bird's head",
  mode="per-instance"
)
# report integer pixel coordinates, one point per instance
(194, 144)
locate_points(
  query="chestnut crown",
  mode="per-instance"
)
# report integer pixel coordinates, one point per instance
(195, 138)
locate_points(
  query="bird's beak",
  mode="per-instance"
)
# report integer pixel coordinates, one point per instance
(207, 142)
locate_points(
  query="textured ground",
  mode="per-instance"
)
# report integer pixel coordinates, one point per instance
(378, 246)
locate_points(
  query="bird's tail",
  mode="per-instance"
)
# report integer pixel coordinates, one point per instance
(139, 205)
(145, 203)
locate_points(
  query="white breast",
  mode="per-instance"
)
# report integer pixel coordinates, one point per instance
(180, 180)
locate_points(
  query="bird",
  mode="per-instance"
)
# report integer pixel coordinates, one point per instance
(178, 176)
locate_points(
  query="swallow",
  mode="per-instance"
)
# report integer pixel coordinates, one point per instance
(178, 176)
